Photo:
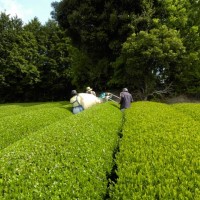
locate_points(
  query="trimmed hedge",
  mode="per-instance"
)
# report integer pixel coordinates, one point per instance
(18, 126)
(19, 108)
(191, 109)
(71, 156)
(158, 155)
(70, 159)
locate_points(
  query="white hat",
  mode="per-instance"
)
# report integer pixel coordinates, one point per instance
(88, 88)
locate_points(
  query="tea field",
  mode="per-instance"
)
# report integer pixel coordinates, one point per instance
(150, 151)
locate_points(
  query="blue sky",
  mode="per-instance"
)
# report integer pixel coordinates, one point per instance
(28, 9)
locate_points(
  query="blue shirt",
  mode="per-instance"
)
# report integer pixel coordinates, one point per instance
(125, 100)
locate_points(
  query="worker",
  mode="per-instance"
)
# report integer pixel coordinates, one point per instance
(90, 91)
(125, 99)
(75, 101)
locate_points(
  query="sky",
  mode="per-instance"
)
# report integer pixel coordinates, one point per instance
(27, 9)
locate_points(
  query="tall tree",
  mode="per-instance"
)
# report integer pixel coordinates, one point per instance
(149, 59)
(190, 77)
(97, 28)
(18, 51)
(183, 16)
(164, 48)
(53, 60)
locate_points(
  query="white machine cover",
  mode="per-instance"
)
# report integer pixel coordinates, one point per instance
(88, 100)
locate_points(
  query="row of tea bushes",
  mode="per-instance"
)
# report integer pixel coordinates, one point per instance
(159, 155)
(18, 108)
(18, 126)
(192, 109)
(70, 159)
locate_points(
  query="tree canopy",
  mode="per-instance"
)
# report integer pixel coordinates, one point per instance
(145, 45)
(34, 60)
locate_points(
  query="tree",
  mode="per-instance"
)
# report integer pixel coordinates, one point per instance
(164, 48)
(149, 60)
(34, 62)
(184, 17)
(190, 78)
(53, 60)
(97, 28)
(18, 51)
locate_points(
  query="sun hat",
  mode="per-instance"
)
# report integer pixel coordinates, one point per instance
(88, 88)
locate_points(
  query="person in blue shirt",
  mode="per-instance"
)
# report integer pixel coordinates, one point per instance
(125, 99)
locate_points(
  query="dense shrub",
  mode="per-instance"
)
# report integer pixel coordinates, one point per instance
(70, 159)
(18, 108)
(71, 156)
(191, 109)
(159, 155)
(19, 121)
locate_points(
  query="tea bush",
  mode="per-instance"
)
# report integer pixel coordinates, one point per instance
(158, 155)
(192, 109)
(71, 156)
(17, 126)
(70, 159)
(18, 108)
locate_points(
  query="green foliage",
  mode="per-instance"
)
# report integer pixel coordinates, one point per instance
(18, 52)
(17, 122)
(97, 29)
(174, 14)
(159, 33)
(190, 109)
(80, 68)
(94, 25)
(10, 109)
(53, 61)
(163, 49)
(82, 72)
(150, 59)
(34, 62)
(146, 45)
(69, 159)
(72, 158)
(183, 16)
(158, 155)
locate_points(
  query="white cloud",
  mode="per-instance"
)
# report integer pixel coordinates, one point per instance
(14, 8)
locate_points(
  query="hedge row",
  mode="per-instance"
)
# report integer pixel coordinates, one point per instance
(19, 108)
(192, 109)
(70, 159)
(18, 126)
(158, 155)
